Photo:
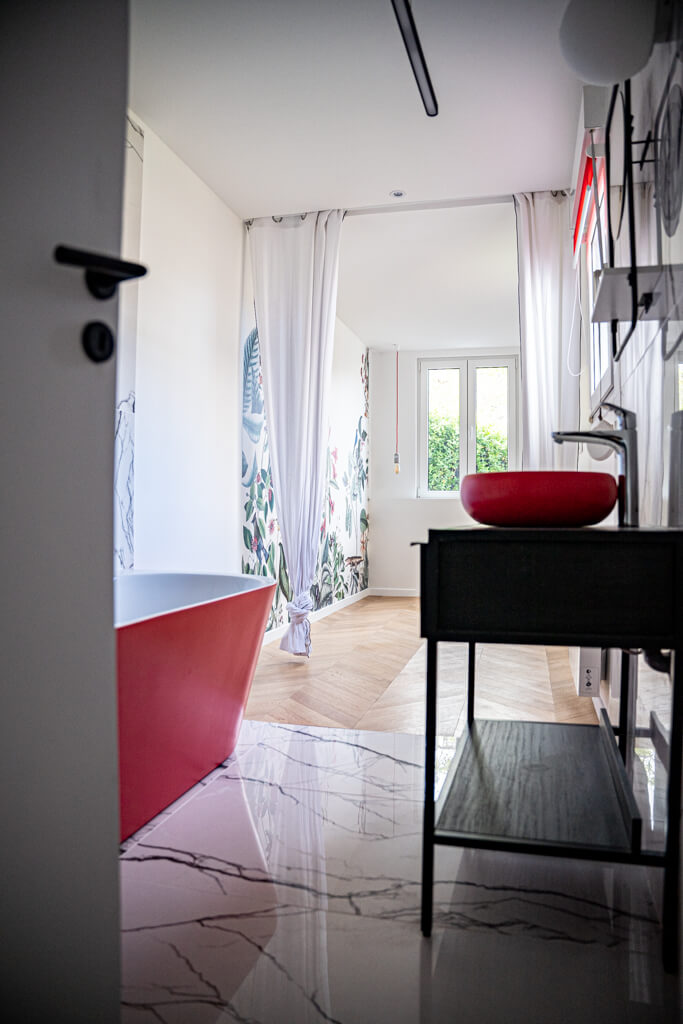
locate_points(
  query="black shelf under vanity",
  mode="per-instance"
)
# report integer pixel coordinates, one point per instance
(539, 784)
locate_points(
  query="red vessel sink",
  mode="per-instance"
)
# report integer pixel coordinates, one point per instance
(539, 498)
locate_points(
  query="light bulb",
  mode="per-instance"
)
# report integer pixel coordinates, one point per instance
(397, 467)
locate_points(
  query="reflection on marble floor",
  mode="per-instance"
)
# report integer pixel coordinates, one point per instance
(284, 889)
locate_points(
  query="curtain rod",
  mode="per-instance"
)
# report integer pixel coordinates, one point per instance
(429, 204)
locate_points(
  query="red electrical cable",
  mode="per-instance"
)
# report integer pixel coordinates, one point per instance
(396, 449)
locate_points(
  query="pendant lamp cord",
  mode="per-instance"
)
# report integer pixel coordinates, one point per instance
(396, 400)
(397, 467)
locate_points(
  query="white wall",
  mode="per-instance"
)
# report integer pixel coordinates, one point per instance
(397, 515)
(436, 277)
(187, 455)
(643, 382)
(436, 283)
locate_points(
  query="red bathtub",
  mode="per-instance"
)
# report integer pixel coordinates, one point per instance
(187, 647)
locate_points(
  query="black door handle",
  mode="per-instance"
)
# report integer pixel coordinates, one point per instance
(103, 274)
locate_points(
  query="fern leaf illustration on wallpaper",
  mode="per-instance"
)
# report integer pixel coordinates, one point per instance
(342, 554)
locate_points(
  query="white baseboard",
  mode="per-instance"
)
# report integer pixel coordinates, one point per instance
(392, 592)
(279, 631)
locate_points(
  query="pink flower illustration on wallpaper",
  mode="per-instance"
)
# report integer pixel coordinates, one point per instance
(342, 566)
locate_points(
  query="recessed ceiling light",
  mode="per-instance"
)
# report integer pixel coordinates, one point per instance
(397, 193)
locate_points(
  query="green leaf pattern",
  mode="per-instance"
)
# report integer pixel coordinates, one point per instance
(342, 566)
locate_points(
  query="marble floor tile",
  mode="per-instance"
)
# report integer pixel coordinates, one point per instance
(328, 820)
(285, 890)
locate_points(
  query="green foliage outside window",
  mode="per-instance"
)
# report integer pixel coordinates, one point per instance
(444, 452)
(492, 451)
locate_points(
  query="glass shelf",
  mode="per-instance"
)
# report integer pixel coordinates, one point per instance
(614, 299)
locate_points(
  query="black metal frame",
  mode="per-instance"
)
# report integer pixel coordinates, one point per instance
(617, 349)
(521, 557)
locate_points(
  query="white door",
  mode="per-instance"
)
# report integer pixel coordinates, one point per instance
(63, 79)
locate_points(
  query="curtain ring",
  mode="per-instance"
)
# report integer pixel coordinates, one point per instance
(277, 220)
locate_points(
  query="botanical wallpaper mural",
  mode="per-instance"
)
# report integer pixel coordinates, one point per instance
(124, 423)
(124, 483)
(342, 567)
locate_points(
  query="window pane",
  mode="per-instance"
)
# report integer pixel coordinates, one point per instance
(680, 385)
(491, 418)
(443, 440)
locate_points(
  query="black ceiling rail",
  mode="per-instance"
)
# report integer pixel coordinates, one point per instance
(411, 41)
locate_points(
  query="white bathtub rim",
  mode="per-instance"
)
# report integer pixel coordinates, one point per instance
(120, 621)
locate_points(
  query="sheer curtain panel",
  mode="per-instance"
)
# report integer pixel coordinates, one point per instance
(549, 323)
(294, 263)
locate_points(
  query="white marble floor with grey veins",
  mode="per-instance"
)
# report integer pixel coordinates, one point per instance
(284, 889)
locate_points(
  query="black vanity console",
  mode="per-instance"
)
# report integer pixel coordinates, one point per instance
(514, 785)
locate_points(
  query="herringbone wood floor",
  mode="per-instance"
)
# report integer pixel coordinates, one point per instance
(359, 676)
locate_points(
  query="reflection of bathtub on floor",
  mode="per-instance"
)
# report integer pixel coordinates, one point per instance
(212, 931)
(187, 647)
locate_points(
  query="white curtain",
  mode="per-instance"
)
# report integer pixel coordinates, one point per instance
(294, 263)
(549, 328)
(641, 368)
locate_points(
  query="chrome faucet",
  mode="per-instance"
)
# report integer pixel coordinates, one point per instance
(624, 440)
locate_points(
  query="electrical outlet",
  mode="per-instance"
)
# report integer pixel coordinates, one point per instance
(590, 671)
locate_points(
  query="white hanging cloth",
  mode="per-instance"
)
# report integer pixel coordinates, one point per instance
(640, 372)
(295, 263)
(549, 324)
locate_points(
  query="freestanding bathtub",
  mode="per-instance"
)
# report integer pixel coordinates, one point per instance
(187, 647)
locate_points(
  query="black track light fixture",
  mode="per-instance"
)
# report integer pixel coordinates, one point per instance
(406, 23)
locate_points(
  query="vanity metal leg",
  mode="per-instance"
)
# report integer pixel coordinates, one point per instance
(672, 868)
(471, 654)
(428, 821)
(627, 707)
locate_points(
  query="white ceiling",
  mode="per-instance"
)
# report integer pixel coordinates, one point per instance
(432, 279)
(282, 106)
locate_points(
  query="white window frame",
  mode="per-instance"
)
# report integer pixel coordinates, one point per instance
(467, 364)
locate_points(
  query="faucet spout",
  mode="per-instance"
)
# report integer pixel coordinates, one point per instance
(624, 441)
(589, 436)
